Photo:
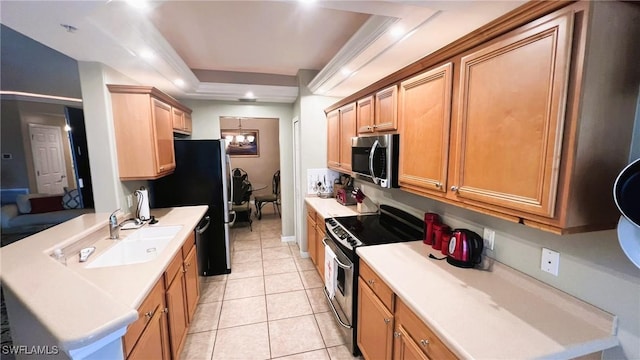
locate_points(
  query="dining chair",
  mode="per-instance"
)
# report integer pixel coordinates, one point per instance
(241, 196)
(273, 198)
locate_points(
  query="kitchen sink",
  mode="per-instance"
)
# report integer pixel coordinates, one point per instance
(137, 247)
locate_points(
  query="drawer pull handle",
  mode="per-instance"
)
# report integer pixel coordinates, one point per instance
(454, 188)
(387, 320)
(149, 314)
(397, 334)
(371, 281)
(424, 342)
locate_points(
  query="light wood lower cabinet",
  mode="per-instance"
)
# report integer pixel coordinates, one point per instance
(148, 337)
(167, 312)
(375, 325)
(312, 244)
(192, 282)
(387, 328)
(178, 317)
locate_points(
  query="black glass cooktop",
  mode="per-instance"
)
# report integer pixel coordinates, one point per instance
(390, 226)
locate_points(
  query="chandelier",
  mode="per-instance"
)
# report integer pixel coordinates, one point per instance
(240, 138)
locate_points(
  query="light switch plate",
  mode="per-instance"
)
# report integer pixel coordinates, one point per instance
(550, 261)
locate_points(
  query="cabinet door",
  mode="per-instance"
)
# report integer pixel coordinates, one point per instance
(510, 118)
(404, 348)
(320, 249)
(152, 342)
(347, 131)
(188, 123)
(191, 283)
(177, 314)
(312, 246)
(386, 114)
(163, 131)
(178, 119)
(365, 115)
(333, 139)
(375, 325)
(425, 117)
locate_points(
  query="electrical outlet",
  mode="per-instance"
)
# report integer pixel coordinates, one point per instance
(550, 261)
(129, 201)
(489, 237)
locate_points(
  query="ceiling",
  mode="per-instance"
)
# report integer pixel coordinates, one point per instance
(225, 50)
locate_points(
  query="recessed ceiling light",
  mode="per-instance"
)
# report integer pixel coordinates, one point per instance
(138, 4)
(179, 82)
(346, 71)
(147, 54)
(249, 95)
(307, 1)
(397, 31)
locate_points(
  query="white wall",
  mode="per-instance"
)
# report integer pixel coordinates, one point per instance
(313, 130)
(109, 192)
(206, 125)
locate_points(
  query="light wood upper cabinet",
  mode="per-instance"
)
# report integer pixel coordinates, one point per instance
(365, 115)
(386, 113)
(143, 120)
(425, 117)
(341, 127)
(511, 118)
(347, 131)
(333, 139)
(181, 121)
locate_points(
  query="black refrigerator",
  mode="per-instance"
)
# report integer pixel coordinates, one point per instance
(201, 177)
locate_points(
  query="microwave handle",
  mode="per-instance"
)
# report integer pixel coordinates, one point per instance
(371, 156)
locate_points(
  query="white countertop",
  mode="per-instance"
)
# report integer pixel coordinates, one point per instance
(79, 305)
(329, 207)
(495, 314)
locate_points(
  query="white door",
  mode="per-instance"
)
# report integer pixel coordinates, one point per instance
(297, 199)
(48, 159)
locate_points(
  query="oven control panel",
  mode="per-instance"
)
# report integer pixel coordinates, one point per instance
(340, 234)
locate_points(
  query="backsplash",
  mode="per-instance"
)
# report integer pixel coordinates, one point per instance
(321, 180)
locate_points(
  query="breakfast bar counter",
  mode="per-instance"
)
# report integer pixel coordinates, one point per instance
(75, 308)
(496, 313)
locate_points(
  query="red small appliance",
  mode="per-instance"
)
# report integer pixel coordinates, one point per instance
(438, 229)
(429, 220)
(465, 249)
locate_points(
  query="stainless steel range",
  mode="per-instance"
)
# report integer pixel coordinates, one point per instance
(344, 236)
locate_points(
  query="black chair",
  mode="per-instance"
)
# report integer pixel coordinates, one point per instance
(273, 198)
(241, 196)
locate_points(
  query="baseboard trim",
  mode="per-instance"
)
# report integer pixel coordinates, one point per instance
(288, 238)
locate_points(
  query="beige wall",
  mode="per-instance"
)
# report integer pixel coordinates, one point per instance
(261, 168)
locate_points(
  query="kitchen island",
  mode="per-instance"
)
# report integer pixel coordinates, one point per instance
(495, 313)
(77, 312)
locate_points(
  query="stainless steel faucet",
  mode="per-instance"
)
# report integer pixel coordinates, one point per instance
(114, 228)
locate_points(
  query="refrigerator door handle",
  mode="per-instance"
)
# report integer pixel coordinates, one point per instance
(233, 214)
(201, 229)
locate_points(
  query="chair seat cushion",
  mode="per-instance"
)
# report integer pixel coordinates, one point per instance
(266, 198)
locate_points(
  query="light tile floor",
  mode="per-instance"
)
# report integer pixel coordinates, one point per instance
(271, 306)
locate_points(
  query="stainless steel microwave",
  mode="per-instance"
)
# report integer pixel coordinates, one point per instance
(375, 158)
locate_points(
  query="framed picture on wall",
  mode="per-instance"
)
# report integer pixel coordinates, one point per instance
(242, 142)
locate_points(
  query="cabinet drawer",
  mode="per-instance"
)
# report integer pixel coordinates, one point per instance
(188, 245)
(430, 344)
(154, 302)
(376, 284)
(172, 270)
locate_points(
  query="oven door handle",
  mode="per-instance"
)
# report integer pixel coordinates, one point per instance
(335, 312)
(340, 264)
